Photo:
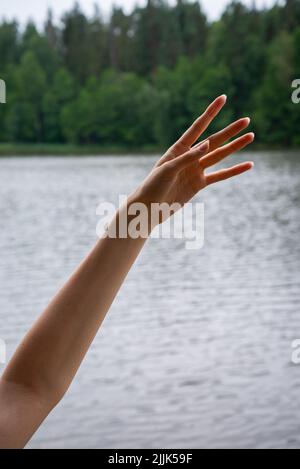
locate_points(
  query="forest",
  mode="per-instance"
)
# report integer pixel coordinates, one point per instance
(136, 80)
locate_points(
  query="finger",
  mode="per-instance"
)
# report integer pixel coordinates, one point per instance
(190, 156)
(228, 173)
(201, 124)
(218, 155)
(218, 139)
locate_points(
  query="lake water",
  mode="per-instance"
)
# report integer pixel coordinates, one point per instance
(196, 350)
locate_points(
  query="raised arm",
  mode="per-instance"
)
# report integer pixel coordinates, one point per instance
(47, 360)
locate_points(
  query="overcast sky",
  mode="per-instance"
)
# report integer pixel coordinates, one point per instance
(36, 9)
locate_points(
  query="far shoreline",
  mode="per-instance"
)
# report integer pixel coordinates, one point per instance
(63, 150)
(40, 149)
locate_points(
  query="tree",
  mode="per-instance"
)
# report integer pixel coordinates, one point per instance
(9, 44)
(273, 98)
(139, 78)
(24, 120)
(192, 26)
(56, 97)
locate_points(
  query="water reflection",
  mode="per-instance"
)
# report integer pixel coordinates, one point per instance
(196, 349)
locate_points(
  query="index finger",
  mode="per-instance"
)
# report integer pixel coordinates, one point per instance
(202, 123)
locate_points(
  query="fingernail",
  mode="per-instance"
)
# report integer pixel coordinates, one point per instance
(204, 147)
(224, 96)
(252, 135)
(247, 119)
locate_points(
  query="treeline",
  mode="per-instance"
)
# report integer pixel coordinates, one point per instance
(138, 79)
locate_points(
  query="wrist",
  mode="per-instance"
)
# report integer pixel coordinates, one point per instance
(132, 220)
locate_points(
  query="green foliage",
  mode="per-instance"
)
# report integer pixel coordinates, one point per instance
(277, 118)
(140, 78)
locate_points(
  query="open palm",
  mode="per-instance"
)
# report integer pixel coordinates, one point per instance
(181, 173)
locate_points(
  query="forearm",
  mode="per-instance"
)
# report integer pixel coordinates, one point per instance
(52, 351)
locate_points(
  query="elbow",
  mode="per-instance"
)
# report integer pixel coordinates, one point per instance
(45, 396)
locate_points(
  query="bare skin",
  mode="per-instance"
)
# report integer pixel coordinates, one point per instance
(45, 363)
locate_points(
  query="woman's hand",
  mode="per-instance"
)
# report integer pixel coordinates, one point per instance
(181, 172)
